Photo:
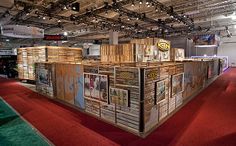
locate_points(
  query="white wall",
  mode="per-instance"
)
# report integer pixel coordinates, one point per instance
(228, 48)
(209, 51)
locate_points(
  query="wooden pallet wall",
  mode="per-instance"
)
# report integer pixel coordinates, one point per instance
(28, 56)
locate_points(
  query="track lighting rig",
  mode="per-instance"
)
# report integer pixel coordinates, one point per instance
(93, 16)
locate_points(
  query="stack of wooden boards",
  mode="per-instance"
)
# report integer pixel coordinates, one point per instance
(27, 57)
(118, 53)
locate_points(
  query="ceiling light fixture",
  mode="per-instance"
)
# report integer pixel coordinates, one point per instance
(44, 18)
(140, 2)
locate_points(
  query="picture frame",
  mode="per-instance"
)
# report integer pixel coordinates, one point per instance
(96, 86)
(119, 96)
(177, 83)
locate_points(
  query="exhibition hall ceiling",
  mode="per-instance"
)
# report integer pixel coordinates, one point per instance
(85, 20)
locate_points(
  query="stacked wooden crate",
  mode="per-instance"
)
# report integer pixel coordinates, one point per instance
(117, 53)
(28, 56)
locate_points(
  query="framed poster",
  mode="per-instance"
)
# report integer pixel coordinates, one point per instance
(179, 54)
(119, 96)
(94, 86)
(43, 77)
(160, 91)
(103, 84)
(86, 85)
(177, 83)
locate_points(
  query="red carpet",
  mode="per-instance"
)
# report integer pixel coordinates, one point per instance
(209, 119)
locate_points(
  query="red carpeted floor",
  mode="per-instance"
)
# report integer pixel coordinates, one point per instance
(209, 119)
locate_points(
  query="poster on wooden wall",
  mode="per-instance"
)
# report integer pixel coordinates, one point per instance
(119, 96)
(103, 84)
(179, 54)
(87, 85)
(96, 86)
(43, 77)
(161, 89)
(177, 84)
(194, 77)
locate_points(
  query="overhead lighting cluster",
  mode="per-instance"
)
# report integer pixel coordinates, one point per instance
(74, 6)
(92, 18)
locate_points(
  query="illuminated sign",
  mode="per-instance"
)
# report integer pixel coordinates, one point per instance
(54, 37)
(163, 45)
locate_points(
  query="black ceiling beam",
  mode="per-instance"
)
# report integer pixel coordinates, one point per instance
(170, 11)
(142, 17)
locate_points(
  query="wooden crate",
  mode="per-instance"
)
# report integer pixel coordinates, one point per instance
(28, 56)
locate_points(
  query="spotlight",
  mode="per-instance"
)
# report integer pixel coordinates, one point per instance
(128, 19)
(75, 6)
(44, 18)
(59, 20)
(27, 14)
(132, 4)
(147, 3)
(65, 33)
(7, 40)
(140, 2)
